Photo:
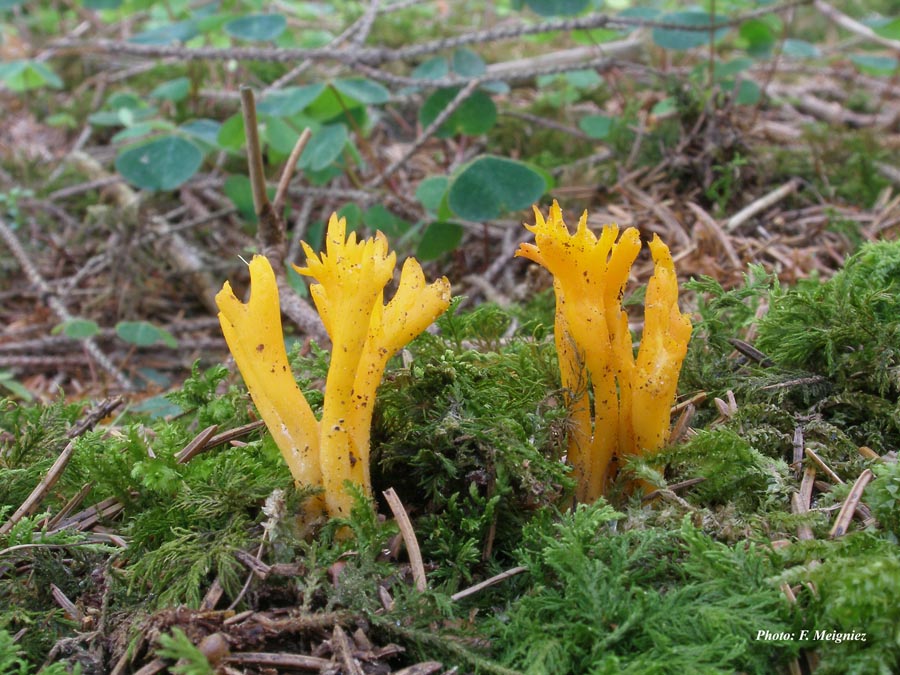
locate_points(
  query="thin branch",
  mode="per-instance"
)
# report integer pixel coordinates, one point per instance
(761, 204)
(271, 230)
(288, 172)
(374, 56)
(496, 579)
(510, 32)
(494, 73)
(717, 232)
(409, 538)
(366, 21)
(268, 54)
(254, 152)
(850, 505)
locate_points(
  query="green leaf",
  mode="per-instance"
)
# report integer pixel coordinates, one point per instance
(144, 334)
(290, 100)
(157, 407)
(759, 37)
(178, 647)
(491, 186)
(280, 135)
(353, 213)
(747, 92)
(173, 90)
(432, 69)
(237, 189)
(378, 217)
(889, 30)
(431, 191)
(142, 129)
(332, 106)
(161, 164)
(257, 27)
(728, 69)
(102, 4)
(11, 384)
(558, 7)
(596, 126)
(324, 147)
(25, 75)
(204, 130)
(122, 109)
(643, 13)
(10, 4)
(685, 39)
(77, 329)
(800, 49)
(583, 79)
(62, 119)
(439, 238)
(467, 63)
(595, 36)
(363, 90)
(476, 115)
(874, 64)
(665, 106)
(181, 31)
(231, 133)
(121, 117)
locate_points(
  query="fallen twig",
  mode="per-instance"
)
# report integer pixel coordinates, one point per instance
(850, 505)
(271, 230)
(409, 538)
(496, 579)
(761, 204)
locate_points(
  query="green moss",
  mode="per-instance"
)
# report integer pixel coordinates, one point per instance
(640, 601)
(855, 580)
(474, 438)
(847, 328)
(733, 469)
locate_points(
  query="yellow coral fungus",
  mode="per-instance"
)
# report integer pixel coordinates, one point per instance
(631, 398)
(254, 336)
(365, 333)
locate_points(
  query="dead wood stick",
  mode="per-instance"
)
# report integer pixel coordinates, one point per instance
(313, 664)
(716, 230)
(869, 453)
(496, 579)
(288, 171)
(409, 538)
(271, 232)
(814, 456)
(343, 652)
(196, 445)
(69, 506)
(761, 204)
(806, 487)
(804, 531)
(850, 505)
(86, 519)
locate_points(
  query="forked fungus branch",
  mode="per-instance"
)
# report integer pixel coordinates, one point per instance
(629, 414)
